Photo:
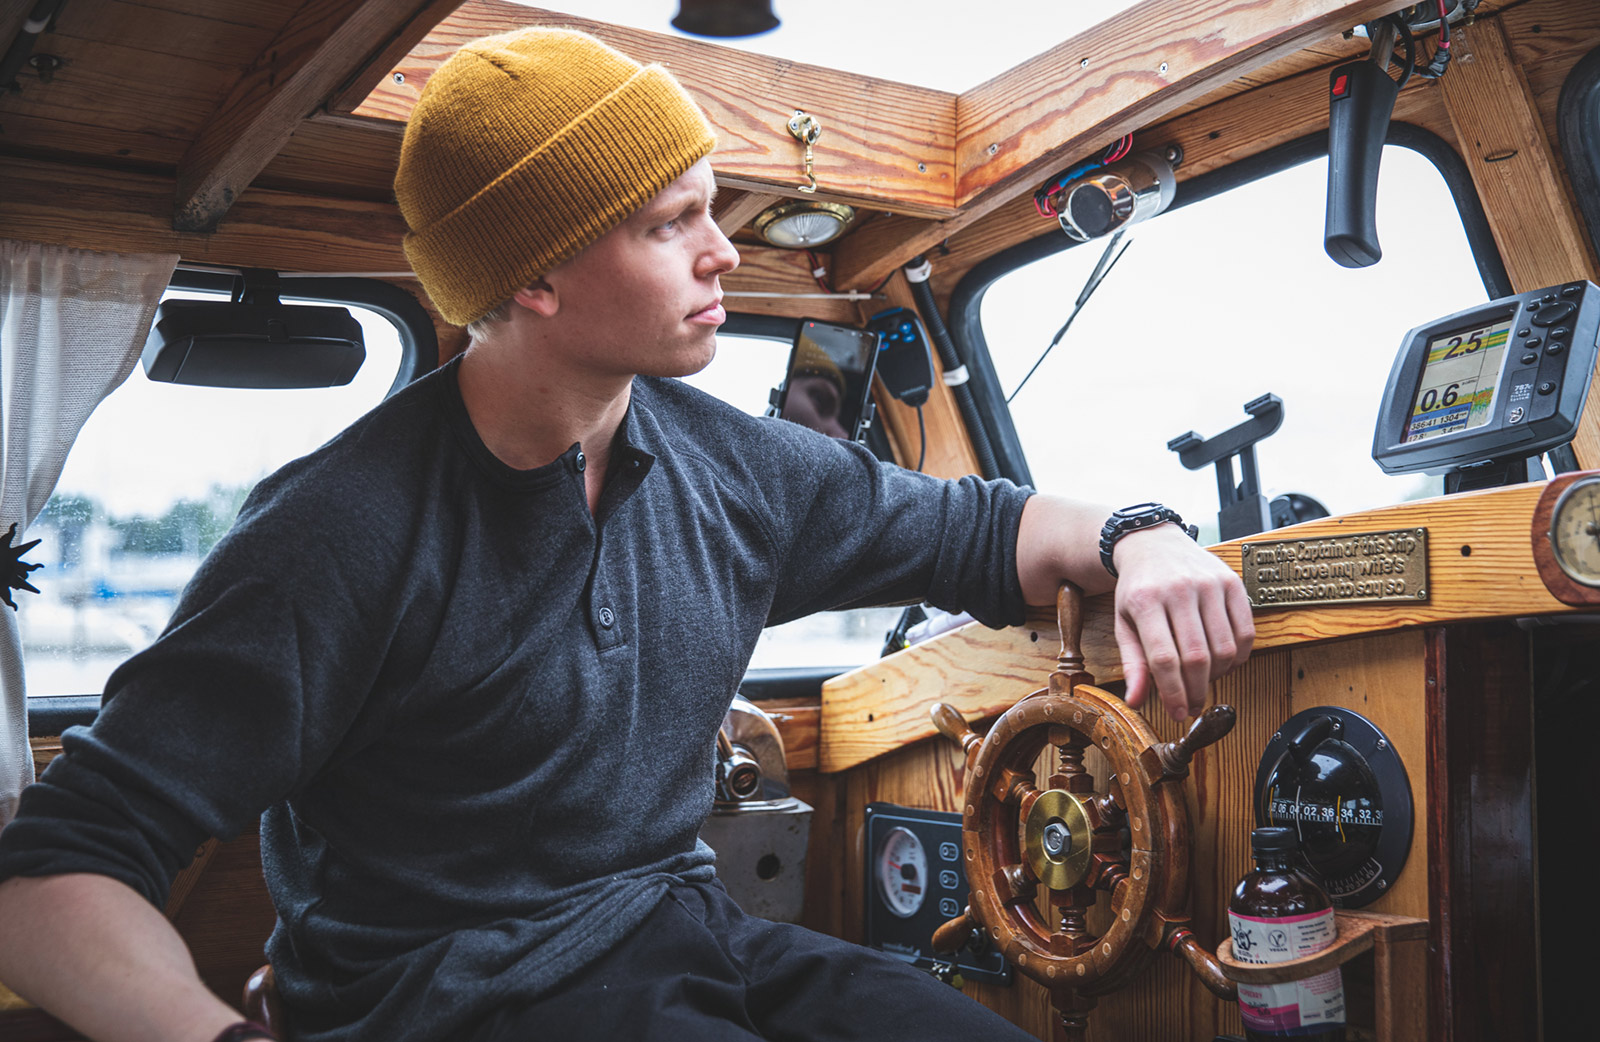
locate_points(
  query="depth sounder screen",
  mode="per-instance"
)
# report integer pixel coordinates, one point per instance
(1458, 383)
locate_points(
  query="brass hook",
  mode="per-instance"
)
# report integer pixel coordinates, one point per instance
(806, 130)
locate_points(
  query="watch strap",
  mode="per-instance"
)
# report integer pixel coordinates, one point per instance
(1136, 519)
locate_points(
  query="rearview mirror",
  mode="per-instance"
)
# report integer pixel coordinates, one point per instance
(253, 340)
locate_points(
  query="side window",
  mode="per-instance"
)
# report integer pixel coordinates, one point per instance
(1213, 305)
(153, 481)
(745, 370)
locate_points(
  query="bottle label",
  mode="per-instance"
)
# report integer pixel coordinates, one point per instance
(1298, 1007)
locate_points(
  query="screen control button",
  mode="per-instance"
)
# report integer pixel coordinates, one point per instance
(1529, 358)
(1555, 348)
(1554, 313)
(949, 851)
(1560, 332)
(1571, 291)
(1533, 345)
(1524, 331)
(1547, 387)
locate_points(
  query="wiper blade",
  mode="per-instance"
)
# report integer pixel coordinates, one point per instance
(1102, 268)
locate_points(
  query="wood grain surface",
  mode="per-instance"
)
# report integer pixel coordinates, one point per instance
(1513, 166)
(883, 143)
(1480, 567)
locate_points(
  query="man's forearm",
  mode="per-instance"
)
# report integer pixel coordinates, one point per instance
(94, 953)
(1060, 539)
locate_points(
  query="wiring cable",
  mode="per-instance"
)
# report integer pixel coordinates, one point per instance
(922, 429)
(1101, 270)
(1441, 53)
(819, 275)
(1041, 199)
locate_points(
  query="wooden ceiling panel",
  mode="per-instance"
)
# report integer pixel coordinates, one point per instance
(22, 134)
(262, 14)
(109, 84)
(318, 48)
(207, 31)
(882, 141)
(337, 157)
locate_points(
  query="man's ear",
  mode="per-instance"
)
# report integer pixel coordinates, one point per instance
(539, 297)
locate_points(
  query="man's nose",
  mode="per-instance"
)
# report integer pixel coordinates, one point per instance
(720, 256)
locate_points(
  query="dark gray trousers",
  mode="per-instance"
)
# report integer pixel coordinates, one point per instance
(699, 969)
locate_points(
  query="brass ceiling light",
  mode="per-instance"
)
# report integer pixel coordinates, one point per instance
(725, 18)
(801, 224)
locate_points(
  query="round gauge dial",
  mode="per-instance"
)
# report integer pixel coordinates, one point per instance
(1575, 531)
(901, 869)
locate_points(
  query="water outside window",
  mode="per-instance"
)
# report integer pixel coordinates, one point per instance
(1213, 305)
(153, 481)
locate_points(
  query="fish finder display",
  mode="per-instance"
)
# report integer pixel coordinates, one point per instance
(1458, 383)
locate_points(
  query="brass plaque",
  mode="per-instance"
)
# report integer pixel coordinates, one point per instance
(1364, 568)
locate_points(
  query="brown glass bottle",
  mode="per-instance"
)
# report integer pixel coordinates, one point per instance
(1278, 913)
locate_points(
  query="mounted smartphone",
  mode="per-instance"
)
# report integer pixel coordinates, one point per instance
(829, 380)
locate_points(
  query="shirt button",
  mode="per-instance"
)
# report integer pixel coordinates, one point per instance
(608, 618)
(580, 462)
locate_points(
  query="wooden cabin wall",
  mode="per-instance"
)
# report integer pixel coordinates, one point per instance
(1383, 677)
(1288, 100)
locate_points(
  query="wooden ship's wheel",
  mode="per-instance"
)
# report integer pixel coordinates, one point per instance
(1061, 845)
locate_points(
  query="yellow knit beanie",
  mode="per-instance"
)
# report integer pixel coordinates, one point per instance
(526, 147)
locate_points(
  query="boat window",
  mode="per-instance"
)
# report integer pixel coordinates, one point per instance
(153, 481)
(917, 43)
(1213, 305)
(743, 373)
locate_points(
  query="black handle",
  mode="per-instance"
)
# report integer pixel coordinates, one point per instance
(1360, 101)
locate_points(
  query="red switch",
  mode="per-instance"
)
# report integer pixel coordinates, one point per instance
(1341, 85)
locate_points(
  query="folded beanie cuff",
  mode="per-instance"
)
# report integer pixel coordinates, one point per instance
(562, 196)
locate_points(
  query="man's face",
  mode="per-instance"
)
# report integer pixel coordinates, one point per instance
(644, 298)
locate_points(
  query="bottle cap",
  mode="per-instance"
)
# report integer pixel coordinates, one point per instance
(1275, 840)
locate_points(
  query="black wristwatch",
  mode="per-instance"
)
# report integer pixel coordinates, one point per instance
(1133, 519)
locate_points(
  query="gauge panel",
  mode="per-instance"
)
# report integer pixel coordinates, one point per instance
(915, 883)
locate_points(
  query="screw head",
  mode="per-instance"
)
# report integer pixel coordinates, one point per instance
(1382, 744)
(1056, 838)
(922, 168)
(993, 149)
(1163, 68)
(399, 77)
(1084, 64)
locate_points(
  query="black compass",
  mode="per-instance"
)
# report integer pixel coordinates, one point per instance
(1335, 779)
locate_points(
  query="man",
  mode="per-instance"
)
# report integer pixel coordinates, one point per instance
(470, 657)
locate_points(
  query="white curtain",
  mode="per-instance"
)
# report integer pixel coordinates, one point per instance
(72, 324)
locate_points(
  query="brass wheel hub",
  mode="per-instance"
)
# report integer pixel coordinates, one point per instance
(1056, 839)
